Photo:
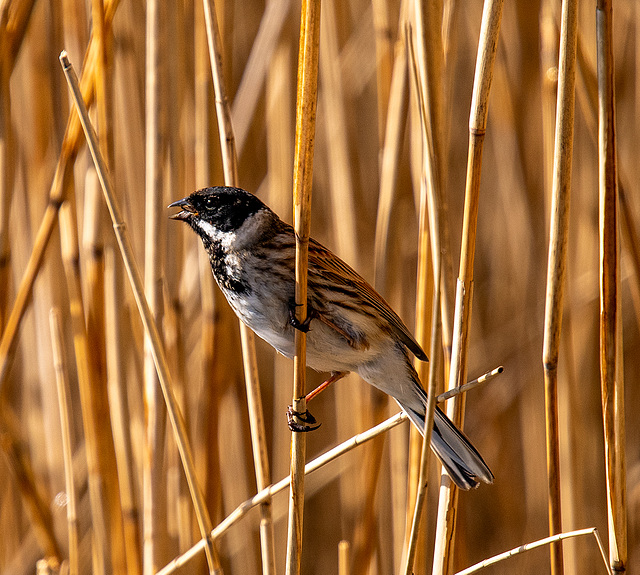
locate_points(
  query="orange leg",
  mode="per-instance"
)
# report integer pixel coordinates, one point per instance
(335, 376)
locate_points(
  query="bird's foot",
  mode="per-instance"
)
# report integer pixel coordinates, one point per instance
(305, 416)
(303, 325)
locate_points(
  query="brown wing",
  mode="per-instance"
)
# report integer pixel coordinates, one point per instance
(329, 272)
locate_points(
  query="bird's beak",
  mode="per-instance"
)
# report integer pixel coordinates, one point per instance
(187, 209)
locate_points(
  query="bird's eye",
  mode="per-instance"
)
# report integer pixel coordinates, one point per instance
(209, 204)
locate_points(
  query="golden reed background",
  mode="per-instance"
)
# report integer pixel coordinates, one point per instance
(362, 497)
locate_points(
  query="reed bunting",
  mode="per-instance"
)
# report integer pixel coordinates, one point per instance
(350, 326)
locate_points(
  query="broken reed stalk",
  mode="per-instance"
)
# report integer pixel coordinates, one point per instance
(133, 273)
(70, 146)
(611, 367)
(487, 45)
(64, 394)
(307, 91)
(250, 361)
(559, 233)
(534, 545)
(315, 464)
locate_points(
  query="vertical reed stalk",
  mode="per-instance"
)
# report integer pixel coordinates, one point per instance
(133, 273)
(155, 536)
(90, 417)
(611, 368)
(95, 320)
(250, 362)
(117, 387)
(302, 181)
(421, 495)
(487, 46)
(62, 382)
(556, 270)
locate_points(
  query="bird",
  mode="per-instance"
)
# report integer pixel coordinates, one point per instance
(350, 327)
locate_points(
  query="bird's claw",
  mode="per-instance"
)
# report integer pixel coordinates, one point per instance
(303, 325)
(305, 416)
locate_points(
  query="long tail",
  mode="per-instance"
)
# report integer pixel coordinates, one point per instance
(461, 459)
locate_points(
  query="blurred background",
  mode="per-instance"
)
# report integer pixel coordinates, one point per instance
(154, 112)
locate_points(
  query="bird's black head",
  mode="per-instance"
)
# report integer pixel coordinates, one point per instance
(224, 208)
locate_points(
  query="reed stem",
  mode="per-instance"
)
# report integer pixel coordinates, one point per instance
(487, 47)
(611, 367)
(250, 362)
(556, 270)
(302, 181)
(64, 394)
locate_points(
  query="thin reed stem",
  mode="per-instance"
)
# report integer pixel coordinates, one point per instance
(133, 273)
(611, 367)
(302, 181)
(559, 234)
(90, 418)
(62, 382)
(421, 495)
(541, 542)
(487, 47)
(250, 362)
(120, 416)
(154, 506)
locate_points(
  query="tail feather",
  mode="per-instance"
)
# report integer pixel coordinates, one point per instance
(456, 453)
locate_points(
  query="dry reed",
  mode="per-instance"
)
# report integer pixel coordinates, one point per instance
(372, 167)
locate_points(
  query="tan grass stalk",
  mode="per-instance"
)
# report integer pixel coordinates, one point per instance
(391, 149)
(431, 67)
(307, 88)
(421, 494)
(120, 417)
(155, 535)
(426, 284)
(250, 362)
(557, 264)
(549, 69)
(96, 346)
(90, 417)
(534, 545)
(207, 452)
(313, 465)
(344, 222)
(611, 367)
(62, 382)
(487, 45)
(133, 273)
(70, 146)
